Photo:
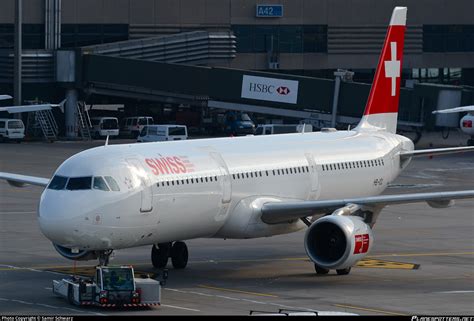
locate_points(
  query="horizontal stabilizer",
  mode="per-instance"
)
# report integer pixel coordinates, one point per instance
(454, 110)
(279, 212)
(22, 180)
(435, 151)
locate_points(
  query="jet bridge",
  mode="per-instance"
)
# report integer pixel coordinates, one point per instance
(216, 87)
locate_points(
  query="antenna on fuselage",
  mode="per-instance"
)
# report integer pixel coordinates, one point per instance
(107, 141)
(304, 126)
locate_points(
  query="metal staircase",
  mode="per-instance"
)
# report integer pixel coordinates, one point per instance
(47, 123)
(84, 121)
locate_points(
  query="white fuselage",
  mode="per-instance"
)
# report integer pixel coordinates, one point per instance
(212, 187)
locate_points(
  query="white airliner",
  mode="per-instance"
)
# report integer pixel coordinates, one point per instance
(158, 194)
(466, 123)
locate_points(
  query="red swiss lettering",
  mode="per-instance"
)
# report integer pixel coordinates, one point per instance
(162, 166)
(150, 163)
(180, 164)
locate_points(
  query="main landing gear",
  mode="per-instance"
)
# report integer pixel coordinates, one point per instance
(178, 251)
(321, 270)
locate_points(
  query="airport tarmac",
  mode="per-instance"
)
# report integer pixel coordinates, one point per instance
(422, 261)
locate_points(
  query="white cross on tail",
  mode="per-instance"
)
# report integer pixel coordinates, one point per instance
(392, 67)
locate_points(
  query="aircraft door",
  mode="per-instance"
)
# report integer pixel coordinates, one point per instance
(225, 184)
(314, 181)
(140, 178)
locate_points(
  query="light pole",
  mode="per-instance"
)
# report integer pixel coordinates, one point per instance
(18, 50)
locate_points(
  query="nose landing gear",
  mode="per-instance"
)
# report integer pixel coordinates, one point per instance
(104, 257)
(178, 251)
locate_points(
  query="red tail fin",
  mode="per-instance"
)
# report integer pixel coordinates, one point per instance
(381, 110)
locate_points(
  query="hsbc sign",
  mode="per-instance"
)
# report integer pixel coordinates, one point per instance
(270, 89)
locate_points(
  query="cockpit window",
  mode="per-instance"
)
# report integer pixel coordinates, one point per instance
(58, 182)
(79, 183)
(100, 184)
(112, 183)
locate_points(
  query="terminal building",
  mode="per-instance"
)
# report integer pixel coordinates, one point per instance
(198, 53)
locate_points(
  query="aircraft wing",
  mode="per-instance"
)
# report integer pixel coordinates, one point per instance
(435, 151)
(279, 212)
(454, 110)
(27, 108)
(22, 180)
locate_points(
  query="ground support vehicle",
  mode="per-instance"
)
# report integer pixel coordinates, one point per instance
(111, 286)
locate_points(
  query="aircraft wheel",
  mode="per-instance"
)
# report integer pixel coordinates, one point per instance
(320, 270)
(160, 255)
(344, 271)
(179, 255)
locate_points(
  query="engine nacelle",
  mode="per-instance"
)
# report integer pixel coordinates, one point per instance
(337, 241)
(79, 256)
(467, 124)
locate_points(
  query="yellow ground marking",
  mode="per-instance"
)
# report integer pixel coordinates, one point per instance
(236, 291)
(382, 264)
(367, 309)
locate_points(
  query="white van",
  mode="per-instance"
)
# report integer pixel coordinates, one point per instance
(132, 126)
(12, 129)
(104, 126)
(272, 129)
(160, 133)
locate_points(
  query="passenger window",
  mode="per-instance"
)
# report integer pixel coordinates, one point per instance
(79, 183)
(58, 182)
(266, 172)
(99, 183)
(286, 170)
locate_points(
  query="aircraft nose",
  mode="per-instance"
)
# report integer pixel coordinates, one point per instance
(56, 218)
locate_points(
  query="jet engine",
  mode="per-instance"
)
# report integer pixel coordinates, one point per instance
(80, 255)
(338, 241)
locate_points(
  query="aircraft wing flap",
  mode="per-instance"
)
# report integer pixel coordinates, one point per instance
(435, 151)
(22, 180)
(279, 212)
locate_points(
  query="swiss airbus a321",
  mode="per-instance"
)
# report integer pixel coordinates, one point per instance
(159, 194)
